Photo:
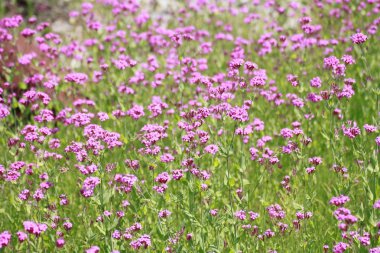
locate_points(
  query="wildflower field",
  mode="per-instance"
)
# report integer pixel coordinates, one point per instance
(204, 126)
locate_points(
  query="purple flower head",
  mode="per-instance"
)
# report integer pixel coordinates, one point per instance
(5, 239)
(93, 249)
(240, 215)
(34, 228)
(238, 114)
(60, 242)
(167, 158)
(142, 242)
(21, 236)
(211, 149)
(275, 211)
(78, 78)
(164, 214)
(316, 82)
(374, 250)
(377, 204)
(370, 128)
(340, 247)
(162, 178)
(358, 38)
(350, 129)
(287, 133)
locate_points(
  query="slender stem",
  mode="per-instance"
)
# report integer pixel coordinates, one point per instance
(228, 175)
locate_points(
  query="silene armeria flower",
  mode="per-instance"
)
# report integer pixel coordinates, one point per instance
(358, 38)
(78, 78)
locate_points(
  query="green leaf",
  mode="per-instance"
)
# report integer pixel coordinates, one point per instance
(100, 228)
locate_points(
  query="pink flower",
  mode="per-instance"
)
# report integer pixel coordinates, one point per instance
(88, 186)
(253, 216)
(310, 170)
(5, 239)
(348, 59)
(21, 236)
(4, 111)
(34, 228)
(238, 114)
(340, 247)
(370, 128)
(377, 204)
(78, 78)
(211, 149)
(287, 133)
(93, 249)
(315, 160)
(214, 212)
(164, 214)
(136, 112)
(358, 38)
(162, 178)
(144, 241)
(316, 82)
(60, 242)
(275, 211)
(350, 129)
(167, 158)
(240, 214)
